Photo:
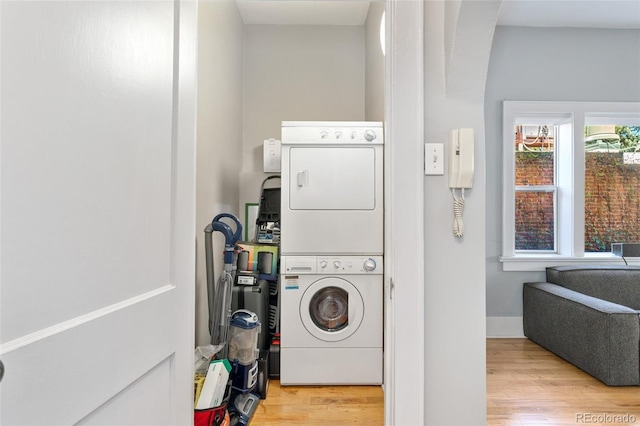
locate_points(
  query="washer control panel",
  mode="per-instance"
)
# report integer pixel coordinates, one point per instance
(349, 265)
(331, 265)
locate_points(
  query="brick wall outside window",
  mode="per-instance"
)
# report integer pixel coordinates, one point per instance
(612, 201)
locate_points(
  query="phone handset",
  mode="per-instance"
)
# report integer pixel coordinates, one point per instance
(460, 171)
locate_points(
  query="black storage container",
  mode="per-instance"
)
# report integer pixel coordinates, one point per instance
(254, 298)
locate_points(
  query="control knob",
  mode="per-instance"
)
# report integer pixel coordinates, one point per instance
(338, 134)
(370, 135)
(324, 134)
(323, 264)
(336, 264)
(369, 265)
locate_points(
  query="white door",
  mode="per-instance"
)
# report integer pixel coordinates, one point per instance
(332, 178)
(97, 207)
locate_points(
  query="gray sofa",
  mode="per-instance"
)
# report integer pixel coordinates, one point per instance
(590, 316)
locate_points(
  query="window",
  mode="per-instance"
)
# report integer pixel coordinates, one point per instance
(535, 187)
(571, 181)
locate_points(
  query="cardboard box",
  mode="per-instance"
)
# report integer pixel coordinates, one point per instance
(215, 384)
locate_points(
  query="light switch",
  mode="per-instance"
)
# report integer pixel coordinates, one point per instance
(271, 151)
(433, 159)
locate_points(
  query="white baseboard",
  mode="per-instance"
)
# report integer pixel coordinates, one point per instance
(504, 327)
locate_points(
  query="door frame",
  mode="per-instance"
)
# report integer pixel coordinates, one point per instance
(183, 272)
(404, 213)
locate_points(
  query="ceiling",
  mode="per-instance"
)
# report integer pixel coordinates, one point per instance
(303, 12)
(531, 13)
(571, 13)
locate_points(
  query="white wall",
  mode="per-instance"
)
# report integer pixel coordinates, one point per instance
(299, 73)
(294, 72)
(458, 34)
(219, 132)
(374, 64)
(544, 64)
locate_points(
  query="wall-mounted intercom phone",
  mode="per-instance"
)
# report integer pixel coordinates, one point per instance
(461, 158)
(461, 144)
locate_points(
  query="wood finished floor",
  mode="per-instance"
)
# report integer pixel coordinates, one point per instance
(526, 385)
(320, 405)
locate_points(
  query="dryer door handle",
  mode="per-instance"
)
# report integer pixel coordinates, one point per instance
(303, 178)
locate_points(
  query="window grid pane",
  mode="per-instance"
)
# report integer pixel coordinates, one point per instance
(535, 148)
(535, 221)
(534, 168)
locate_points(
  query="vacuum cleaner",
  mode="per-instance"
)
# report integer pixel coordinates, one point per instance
(219, 293)
(243, 350)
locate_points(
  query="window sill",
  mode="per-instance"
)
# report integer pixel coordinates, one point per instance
(538, 262)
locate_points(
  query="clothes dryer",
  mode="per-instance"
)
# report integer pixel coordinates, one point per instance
(332, 320)
(332, 188)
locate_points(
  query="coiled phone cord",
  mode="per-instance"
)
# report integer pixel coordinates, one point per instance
(458, 207)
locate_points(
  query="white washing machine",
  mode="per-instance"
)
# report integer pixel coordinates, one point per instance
(332, 188)
(331, 320)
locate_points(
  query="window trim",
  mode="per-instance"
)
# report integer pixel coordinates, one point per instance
(570, 216)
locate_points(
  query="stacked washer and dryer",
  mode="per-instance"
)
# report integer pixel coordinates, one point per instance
(331, 246)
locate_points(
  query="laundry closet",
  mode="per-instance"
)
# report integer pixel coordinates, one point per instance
(258, 67)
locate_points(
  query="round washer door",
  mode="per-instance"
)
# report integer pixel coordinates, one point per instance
(331, 309)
